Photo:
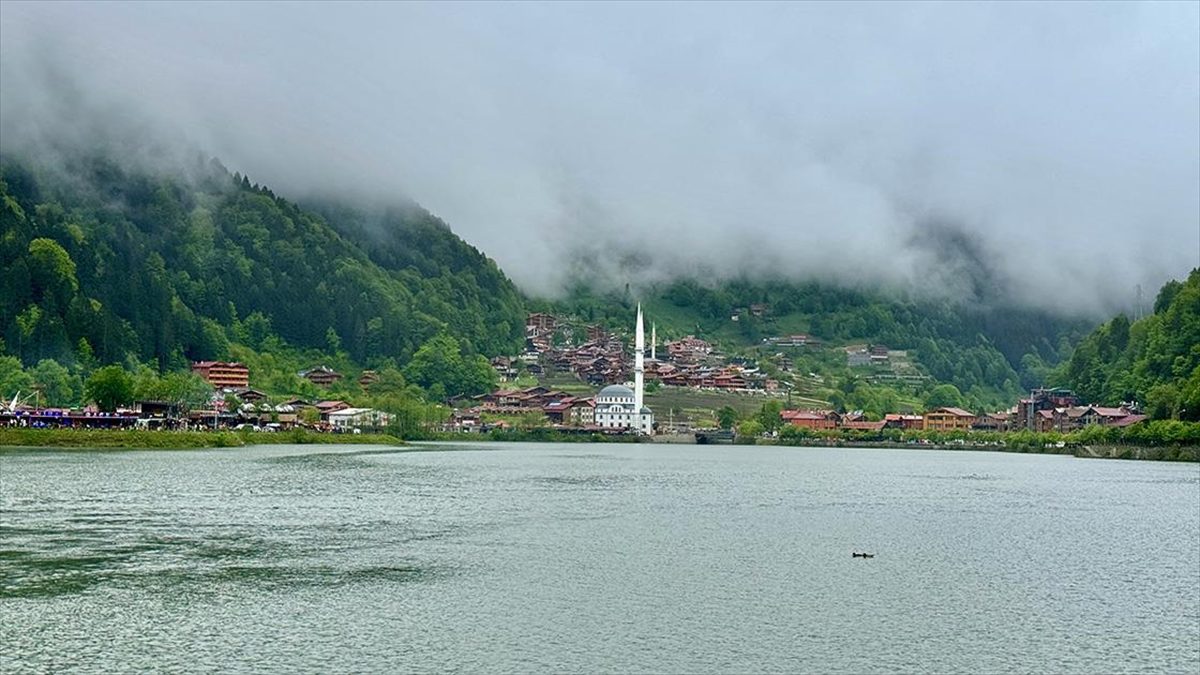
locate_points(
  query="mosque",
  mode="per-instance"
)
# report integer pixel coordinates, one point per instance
(618, 406)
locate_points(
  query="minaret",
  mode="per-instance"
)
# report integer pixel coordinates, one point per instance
(639, 368)
(653, 341)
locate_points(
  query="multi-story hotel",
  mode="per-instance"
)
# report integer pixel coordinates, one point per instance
(222, 375)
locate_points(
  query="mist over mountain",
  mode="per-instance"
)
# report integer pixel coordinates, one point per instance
(1045, 155)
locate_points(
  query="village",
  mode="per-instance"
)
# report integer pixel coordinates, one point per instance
(693, 363)
(599, 360)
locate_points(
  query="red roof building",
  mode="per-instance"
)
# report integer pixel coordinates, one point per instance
(809, 419)
(223, 375)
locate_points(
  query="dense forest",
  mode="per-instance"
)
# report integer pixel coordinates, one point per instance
(1155, 360)
(105, 262)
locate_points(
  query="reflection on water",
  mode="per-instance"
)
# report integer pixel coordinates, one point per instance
(592, 557)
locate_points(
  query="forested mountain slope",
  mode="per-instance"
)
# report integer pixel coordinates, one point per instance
(103, 260)
(1155, 360)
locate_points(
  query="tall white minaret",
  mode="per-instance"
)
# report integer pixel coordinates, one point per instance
(653, 341)
(639, 367)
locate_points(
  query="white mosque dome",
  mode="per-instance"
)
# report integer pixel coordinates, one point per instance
(616, 391)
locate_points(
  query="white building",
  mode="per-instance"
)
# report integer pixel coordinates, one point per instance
(354, 418)
(618, 406)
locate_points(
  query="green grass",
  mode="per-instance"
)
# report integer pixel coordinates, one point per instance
(569, 383)
(699, 406)
(165, 440)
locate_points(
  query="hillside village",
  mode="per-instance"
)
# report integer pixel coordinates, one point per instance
(598, 358)
(693, 363)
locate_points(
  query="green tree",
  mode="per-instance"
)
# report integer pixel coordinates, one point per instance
(13, 378)
(726, 417)
(749, 428)
(52, 271)
(944, 395)
(109, 387)
(57, 385)
(441, 369)
(187, 390)
(768, 415)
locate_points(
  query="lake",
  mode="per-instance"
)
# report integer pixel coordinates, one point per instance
(580, 557)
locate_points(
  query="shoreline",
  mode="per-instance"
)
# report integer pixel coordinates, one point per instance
(1167, 453)
(77, 439)
(92, 439)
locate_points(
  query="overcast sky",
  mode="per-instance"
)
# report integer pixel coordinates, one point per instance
(834, 141)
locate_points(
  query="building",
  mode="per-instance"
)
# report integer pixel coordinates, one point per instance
(863, 425)
(1040, 400)
(619, 407)
(326, 408)
(322, 376)
(992, 422)
(222, 375)
(948, 419)
(690, 349)
(1077, 417)
(357, 418)
(539, 323)
(810, 419)
(616, 408)
(899, 421)
(250, 395)
(368, 378)
(798, 340)
(571, 411)
(858, 357)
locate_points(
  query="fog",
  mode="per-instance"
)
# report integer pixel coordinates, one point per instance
(1048, 154)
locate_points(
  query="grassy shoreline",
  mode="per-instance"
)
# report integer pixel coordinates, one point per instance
(97, 439)
(1169, 453)
(84, 439)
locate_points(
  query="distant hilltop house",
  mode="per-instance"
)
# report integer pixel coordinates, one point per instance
(539, 322)
(368, 378)
(505, 367)
(223, 375)
(322, 376)
(798, 340)
(689, 349)
(867, 355)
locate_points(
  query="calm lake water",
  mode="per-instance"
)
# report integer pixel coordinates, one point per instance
(522, 558)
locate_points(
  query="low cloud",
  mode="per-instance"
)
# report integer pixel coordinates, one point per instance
(1046, 154)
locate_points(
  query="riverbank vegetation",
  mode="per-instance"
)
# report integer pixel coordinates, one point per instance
(141, 439)
(1172, 439)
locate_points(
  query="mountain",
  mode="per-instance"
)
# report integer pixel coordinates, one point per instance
(109, 260)
(104, 260)
(1154, 360)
